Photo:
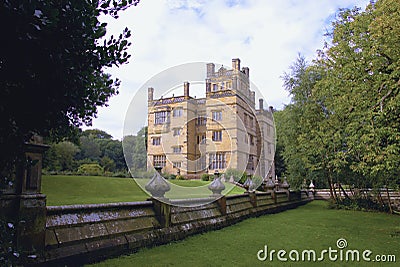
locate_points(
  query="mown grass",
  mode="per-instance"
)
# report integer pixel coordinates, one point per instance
(312, 226)
(69, 190)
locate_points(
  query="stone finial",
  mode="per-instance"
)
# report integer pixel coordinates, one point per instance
(311, 191)
(311, 186)
(232, 180)
(269, 185)
(285, 185)
(249, 184)
(223, 178)
(157, 186)
(276, 182)
(252, 186)
(246, 184)
(216, 186)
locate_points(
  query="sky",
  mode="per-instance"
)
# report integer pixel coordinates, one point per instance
(266, 35)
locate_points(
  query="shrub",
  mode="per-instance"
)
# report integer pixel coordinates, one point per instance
(180, 177)
(7, 244)
(121, 174)
(165, 175)
(172, 176)
(243, 178)
(237, 175)
(359, 203)
(108, 174)
(140, 174)
(205, 177)
(91, 169)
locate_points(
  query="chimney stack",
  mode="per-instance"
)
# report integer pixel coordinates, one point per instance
(150, 94)
(186, 89)
(236, 64)
(246, 71)
(210, 69)
(261, 104)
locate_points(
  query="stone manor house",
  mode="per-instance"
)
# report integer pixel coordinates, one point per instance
(191, 136)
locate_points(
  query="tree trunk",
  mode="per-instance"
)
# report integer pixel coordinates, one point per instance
(389, 201)
(330, 188)
(344, 192)
(334, 192)
(380, 197)
(352, 192)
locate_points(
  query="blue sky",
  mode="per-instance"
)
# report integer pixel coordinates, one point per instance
(266, 35)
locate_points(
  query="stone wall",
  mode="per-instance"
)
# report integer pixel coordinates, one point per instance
(324, 194)
(86, 233)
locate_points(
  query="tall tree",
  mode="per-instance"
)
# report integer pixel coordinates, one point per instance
(344, 119)
(52, 67)
(135, 150)
(113, 150)
(297, 125)
(363, 75)
(90, 148)
(60, 156)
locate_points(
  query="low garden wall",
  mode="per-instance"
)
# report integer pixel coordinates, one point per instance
(324, 194)
(87, 233)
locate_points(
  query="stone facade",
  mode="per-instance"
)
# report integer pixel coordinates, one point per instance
(190, 136)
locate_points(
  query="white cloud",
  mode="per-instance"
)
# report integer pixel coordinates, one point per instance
(265, 35)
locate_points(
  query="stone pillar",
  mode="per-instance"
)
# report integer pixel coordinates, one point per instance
(32, 204)
(24, 205)
(253, 198)
(222, 205)
(269, 186)
(162, 211)
(285, 186)
(276, 182)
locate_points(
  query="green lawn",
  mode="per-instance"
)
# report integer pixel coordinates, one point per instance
(69, 190)
(312, 226)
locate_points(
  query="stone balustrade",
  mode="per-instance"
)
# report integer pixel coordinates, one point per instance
(84, 233)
